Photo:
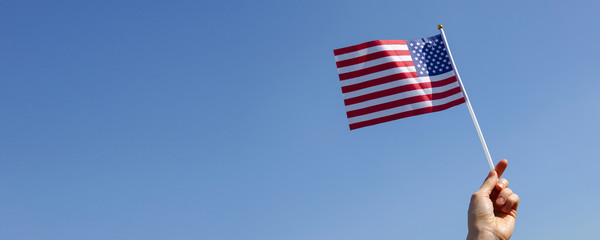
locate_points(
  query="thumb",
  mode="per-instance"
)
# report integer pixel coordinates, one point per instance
(489, 183)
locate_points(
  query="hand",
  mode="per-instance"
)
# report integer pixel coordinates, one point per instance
(493, 208)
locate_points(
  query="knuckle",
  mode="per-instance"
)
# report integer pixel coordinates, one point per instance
(501, 184)
(506, 192)
(513, 198)
(516, 197)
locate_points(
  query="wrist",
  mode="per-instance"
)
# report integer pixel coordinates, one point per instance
(480, 235)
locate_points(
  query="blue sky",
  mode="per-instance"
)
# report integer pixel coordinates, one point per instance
(225, 120)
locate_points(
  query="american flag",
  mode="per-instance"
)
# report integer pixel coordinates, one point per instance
(385, 80)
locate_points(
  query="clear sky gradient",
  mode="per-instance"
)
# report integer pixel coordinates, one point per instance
(225, 120)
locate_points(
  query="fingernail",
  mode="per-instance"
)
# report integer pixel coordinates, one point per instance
(505, 208)
(500, 200)
(502, 184)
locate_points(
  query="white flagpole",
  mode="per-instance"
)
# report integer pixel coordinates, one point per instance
(485, 148)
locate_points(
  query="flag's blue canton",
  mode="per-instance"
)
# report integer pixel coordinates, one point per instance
(429, 55)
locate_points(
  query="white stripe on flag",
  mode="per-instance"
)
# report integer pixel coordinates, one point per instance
(373, 49)
(397, 83)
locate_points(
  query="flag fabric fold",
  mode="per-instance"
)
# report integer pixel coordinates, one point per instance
(385, 80)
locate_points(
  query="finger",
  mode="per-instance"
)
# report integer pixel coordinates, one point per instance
(489, 183)
(503, 196)
(501, 166)
(494, 195)
(512, 203)
(502, 184)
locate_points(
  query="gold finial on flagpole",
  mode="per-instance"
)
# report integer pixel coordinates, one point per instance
(440, 26)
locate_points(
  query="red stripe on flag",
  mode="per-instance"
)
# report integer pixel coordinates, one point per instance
(402, 102)
(399, 89)
(395, 77)
(378, 81)
(443, 82)
(361, 46)
(396, 90)
(387, 92)
(374, 69)
(371, 56)
(407, 114)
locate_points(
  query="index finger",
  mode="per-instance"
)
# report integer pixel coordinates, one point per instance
(500, 167)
